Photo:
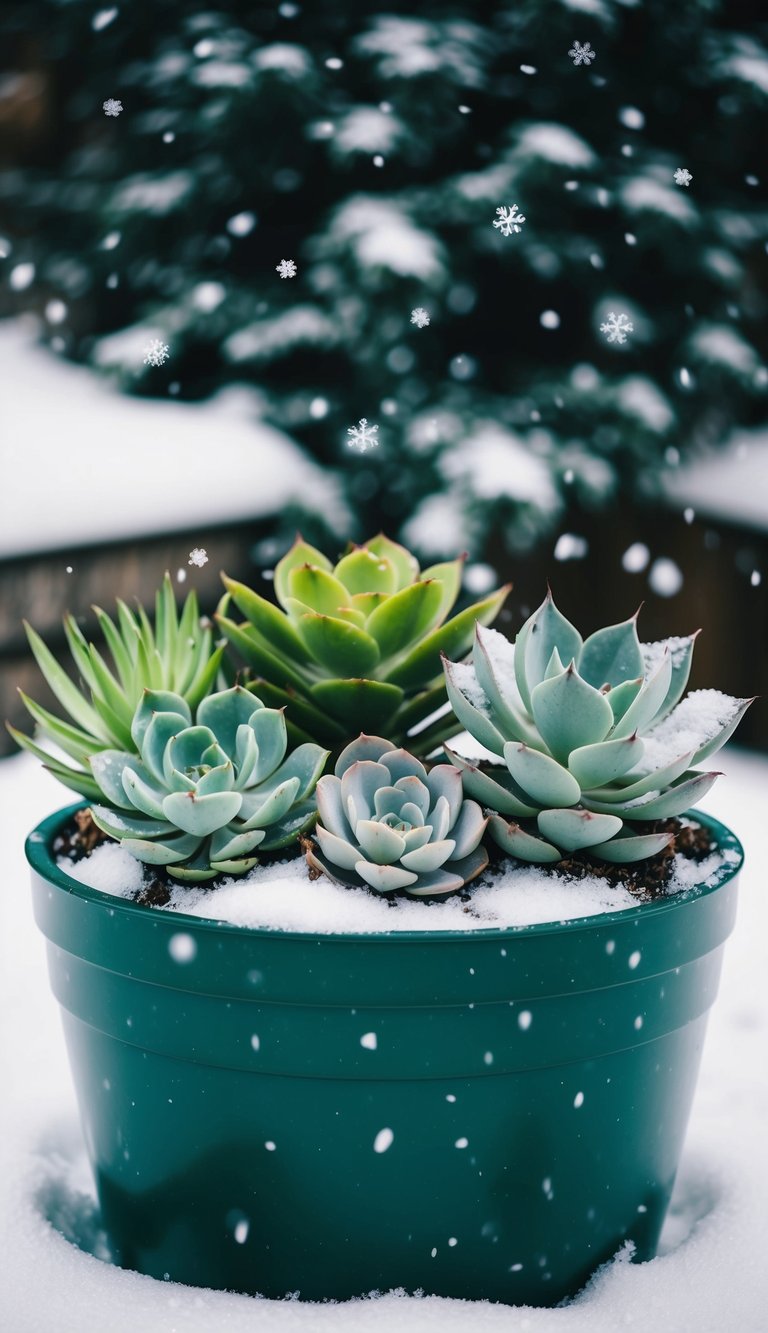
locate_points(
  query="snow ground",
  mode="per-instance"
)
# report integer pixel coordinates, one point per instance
(60, 418)
(711, 1277)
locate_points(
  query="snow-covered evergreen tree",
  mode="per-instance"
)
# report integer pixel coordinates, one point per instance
(372, 152)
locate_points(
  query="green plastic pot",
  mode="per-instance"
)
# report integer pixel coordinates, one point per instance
(486, 1115)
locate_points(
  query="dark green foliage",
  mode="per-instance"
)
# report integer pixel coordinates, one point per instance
(527, 416)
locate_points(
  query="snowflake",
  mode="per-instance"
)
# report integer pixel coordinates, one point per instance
(156, 353)
(582, 55)
(362, 437)
(286, 268)
(616, 327)
(199, 557)
(112, 107)
(683, 176)
(509, 220)
(420, 317)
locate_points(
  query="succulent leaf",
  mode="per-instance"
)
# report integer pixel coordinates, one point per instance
(517, 841)
(574, 829)
(301, 553)
(569, 713)
(405, 617)
(540, 776)
(589, 749)
(270, 623)
(370, 630)
(406, 566)
(363, 571)
(337, 645)
(612, 655)
(388, 823)
(623, 851)
(547, 630)
(201, 796)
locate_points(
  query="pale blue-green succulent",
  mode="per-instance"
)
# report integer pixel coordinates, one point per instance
(178, 654)
(200, 798)
(387, 823)
(593, 735)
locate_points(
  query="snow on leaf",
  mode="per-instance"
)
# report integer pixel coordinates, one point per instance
(696, 722)
(381, 235)
(366, 129)
(723, 346)
(555, 143)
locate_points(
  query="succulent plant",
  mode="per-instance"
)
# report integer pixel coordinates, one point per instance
(593, 735)
(178, 654)
(199, 798)
(357, 644)
(388, 824)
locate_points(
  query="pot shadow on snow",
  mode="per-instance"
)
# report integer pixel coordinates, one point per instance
(696, 1195)
(65, 1198)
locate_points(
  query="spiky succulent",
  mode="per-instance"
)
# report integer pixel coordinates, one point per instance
(178, 654)
(200, 798)
(356, 644)
(592, 733)
(387, 823)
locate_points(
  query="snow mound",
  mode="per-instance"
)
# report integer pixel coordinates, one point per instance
(61, 417)
(281, 896)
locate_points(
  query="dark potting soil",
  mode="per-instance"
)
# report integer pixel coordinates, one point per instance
(646, 880)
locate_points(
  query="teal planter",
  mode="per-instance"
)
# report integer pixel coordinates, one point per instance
(486, 1115)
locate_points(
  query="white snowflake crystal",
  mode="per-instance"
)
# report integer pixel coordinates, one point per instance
(581, 55)
(198, 556)
(156, 353)
(509, 220)
(286, 268)
(112, 107)
(683, 176)
(616, 327)
(420, 317)
(362, 437)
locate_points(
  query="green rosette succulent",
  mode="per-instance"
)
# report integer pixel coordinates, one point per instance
(357, 644)
(388, 824)
(200, 797)
(594, 735)
(177, 654)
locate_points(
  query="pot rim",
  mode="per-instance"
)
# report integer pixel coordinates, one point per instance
(39, 854)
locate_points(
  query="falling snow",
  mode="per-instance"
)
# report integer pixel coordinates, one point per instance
(156, 353)
(616, 327)
(420, 317)
(665, 577)
(286, 268)
(112, 107)
(362, 437)
(198, 556)
(682, 176)
(509, 220)
(582, 55)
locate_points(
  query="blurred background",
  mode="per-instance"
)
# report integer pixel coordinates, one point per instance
(371, 144)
